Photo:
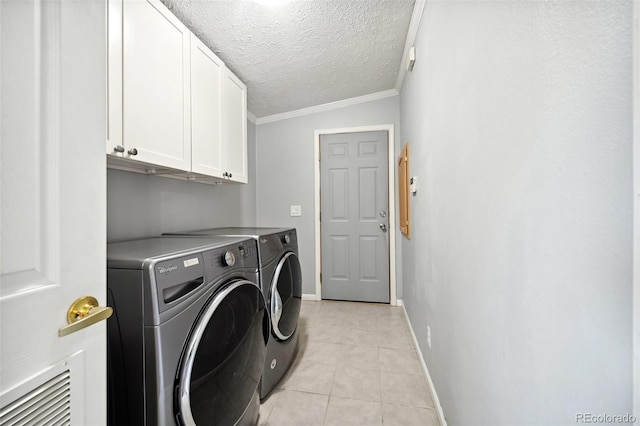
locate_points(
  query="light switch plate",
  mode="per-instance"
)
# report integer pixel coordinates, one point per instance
(296, 210)
(412, 185)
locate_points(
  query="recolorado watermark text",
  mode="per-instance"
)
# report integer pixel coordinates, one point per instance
(605, 418)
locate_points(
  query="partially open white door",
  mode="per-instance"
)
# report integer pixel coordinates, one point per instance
(53, 209)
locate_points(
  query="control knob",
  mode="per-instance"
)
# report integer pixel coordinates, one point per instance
(287, 238)
(229, 258)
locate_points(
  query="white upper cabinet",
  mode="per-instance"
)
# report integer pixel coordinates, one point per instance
(218, 117)
(207, 71)
(156, 51)
(172, 102)
(234, 109)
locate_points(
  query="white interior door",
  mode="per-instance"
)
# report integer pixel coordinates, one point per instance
(53, 209)
(355, 216)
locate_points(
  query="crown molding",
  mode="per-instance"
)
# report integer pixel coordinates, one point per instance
(327, 107)
(416, 17)
(252, 118)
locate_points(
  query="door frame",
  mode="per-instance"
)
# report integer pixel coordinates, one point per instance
(636, 208)
(389, 128)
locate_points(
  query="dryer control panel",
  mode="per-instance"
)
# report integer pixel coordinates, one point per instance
(243, 255)
(289, 239)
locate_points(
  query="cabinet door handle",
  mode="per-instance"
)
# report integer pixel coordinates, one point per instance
(133, 151)
(225, 174)
(118, 148)
(230, 174)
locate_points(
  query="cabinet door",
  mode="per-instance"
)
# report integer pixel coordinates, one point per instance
(206, 112)
(235, 127)
(114, 76)
(156, 78)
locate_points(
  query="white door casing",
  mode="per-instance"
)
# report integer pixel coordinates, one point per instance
(636, 209)
(53, 202)
(389, 128)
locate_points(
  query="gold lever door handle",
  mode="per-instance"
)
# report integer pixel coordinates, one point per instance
(83, 313)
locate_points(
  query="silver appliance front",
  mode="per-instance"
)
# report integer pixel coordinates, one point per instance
(188, 336)
(281, 283)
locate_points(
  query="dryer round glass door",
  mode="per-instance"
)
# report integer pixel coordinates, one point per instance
(286, 296)
(222, 362)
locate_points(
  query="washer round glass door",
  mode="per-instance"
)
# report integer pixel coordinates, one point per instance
(286, 296)
(222, 362)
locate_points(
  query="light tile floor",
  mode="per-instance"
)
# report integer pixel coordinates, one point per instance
(356, 366)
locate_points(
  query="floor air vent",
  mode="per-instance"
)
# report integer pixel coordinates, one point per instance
(48, 404)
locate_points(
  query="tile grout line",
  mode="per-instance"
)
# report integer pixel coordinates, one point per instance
(326, 410)
(381, 402)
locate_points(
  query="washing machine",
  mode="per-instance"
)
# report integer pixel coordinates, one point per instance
(281, 283)
(187, 340)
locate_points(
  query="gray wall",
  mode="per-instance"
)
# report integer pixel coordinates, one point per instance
(140, 205)
(285, 169)
(519, 118)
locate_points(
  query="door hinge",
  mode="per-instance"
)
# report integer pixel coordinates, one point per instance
(406, 222)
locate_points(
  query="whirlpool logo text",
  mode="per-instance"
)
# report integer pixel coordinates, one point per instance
(167, 269)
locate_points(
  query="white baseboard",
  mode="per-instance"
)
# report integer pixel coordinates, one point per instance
(425, 370)
(400, 303)
(309, 297)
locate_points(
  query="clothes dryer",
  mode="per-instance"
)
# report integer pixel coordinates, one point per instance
(281, 283)
(187, 341)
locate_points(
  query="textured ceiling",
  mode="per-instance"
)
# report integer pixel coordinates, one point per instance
(306, 52)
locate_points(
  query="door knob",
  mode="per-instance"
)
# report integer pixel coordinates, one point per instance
(383, 214)
(383, 227)
(83, 313)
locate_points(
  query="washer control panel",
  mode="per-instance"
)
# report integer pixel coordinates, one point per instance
(229, 258)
